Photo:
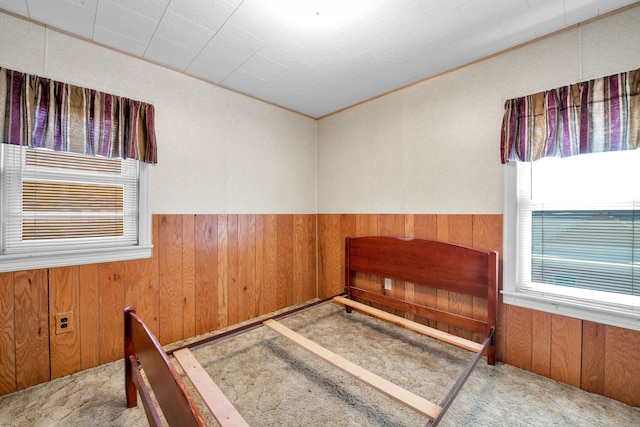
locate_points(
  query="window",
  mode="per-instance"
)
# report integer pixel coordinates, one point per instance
(572, 236)
(62, 208)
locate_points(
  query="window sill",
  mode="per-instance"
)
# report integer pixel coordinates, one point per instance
(21, 262)
(622, 317)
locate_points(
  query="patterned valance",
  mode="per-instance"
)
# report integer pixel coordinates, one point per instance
(593, 116)
(42, 113)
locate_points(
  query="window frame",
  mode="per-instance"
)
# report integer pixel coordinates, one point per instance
(82, 255)
(553, 299)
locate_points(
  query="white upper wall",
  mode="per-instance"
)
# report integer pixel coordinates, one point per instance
(218, 151)
(429, 148)
(434, 147)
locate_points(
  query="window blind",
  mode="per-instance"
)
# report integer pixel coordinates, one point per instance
(58, 199)
(580, 223)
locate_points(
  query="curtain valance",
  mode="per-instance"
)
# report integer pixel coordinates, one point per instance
(42, 113)
(587, 117)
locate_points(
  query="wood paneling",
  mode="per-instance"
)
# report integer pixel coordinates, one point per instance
(622, 365)
(248, 292)
(31, 301)
(171, 293)
(188, 276)
(566, 344)
(232, 269)
(285, 263)
(223, 272)
(7, 335)
(209, 271)
(541, 343)
(64, 344)
(518, 337)
(111, 306)
(593, 351)
(141, 285)
(89, 315)
(206, 272)
(269, 249)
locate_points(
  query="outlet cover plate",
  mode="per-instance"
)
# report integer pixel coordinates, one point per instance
(64, 322)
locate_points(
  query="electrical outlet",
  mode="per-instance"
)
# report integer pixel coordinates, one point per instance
(64, 322)
(387, 283)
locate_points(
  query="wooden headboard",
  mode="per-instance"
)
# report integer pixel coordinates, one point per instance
(427, 263)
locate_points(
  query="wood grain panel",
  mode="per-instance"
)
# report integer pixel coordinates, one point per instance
(541, 343)
(223, 272)
(461, 233)
(7, 335)
(393, 225)
(170, 267)
(566, 343)
(64, 298)
(304, 257)
(487, 236)
(593, 351)
(89, 316)
(519, 336)
(622, 365)
(330, 275)
(248, 293)
(206, 272)
(426, 227)
(188, 276)
(269, 300)
(111, 306)
(260, 287)
(285, 260)
(142, 287)
(367, 225)
(32, 327)
(311, 287)
(442, 297)
(232, 268)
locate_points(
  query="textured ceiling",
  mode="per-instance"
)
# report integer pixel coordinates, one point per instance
(314, 61)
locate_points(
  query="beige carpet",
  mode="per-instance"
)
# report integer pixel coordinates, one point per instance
(273, 382)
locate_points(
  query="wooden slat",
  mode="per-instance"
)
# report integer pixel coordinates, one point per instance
(188, 277)
(566, 343)
(232, 269)
(170, 278)
(63, 298)
(111, 302)
(89, 316)
(269, 300)
(206, 273)
(518, 337)
(390, 389)
(222, 409)
(223, 272)
(622, 365)
(541, 343)
(414, 326)
(304, 259)
(593, 360)
(285, 261)
(141, 284)
(248, 295)
(7, 335)
(427, 312)
(32, 328)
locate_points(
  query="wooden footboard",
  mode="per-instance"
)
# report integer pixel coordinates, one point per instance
(141, 347)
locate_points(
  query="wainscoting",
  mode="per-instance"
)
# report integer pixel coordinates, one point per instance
(210, 271)
(207, 272)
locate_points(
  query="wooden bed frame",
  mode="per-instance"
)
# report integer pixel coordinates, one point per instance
(420, 262)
